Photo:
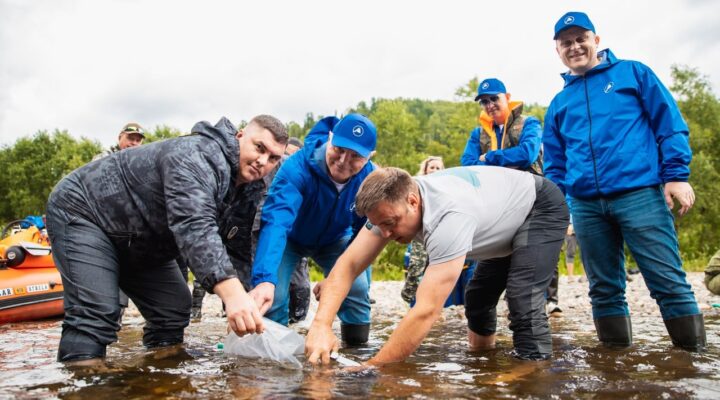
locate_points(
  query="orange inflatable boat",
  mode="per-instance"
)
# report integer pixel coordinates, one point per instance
(30, 285)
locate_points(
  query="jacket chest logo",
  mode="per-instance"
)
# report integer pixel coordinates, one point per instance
(233, 232)
(609, 87)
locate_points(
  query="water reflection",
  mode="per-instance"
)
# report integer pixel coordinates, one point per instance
(442, 367)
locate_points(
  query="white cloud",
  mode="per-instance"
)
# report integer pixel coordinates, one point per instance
(90, 66)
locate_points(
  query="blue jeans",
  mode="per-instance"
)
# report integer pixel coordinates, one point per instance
(642, 220)
(356, 307)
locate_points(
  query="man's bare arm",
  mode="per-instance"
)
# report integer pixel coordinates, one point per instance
(434, 289)
(362, 252)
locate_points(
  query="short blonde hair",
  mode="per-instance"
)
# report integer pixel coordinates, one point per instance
(425, 162)
(384, 184)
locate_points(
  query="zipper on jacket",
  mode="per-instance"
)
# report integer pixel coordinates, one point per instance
(332, 214)
(592, 151)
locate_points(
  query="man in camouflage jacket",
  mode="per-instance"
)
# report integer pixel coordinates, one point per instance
(712, 274)
(120, 222)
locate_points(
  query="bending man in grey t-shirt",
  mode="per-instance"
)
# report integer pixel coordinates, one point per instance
(480, 213)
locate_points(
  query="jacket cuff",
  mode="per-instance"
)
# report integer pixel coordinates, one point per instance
(209, 281)
(261, 278)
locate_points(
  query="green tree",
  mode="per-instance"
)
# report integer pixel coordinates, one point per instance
(162, 132)
(698, 231)
(398, 130)
(468, 91)
(32, 167)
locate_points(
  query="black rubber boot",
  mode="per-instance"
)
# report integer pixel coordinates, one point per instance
(355, 335)
(77, 346)
(687, 332)
(614, 331)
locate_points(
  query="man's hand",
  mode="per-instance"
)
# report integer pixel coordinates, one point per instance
(263, 295)
(683, 192)
(482, 157)
(242, 314)
(319, 343)
(318, 289)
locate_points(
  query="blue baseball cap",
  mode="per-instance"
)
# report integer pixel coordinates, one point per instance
(490, 86)
(357, 133)
(573, 18)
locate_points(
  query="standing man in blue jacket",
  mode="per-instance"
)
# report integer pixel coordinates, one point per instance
(615, 142)
(506, 137)
(310, 212)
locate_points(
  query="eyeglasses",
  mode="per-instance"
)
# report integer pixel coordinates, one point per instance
(488, 100)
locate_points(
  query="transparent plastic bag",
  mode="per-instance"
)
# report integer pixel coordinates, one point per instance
(277, 343)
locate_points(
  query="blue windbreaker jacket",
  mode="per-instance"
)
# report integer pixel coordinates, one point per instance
(615, 129)
(303, 205)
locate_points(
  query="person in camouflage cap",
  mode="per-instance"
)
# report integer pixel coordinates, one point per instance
(712, 274)
(131, 135)
(122, 221)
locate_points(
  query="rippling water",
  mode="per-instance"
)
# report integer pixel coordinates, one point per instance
(442, 367)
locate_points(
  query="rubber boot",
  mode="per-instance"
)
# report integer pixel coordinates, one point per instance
(355, 335)
(614, 331)
(687, 332)
(77, 346)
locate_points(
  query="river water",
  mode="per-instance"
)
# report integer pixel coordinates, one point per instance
(441, 368)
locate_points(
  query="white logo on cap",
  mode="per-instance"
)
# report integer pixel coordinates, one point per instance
(609, 87)
(569, 20)
(358, 130)
(485, 85)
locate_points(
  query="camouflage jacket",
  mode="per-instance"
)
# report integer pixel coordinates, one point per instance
(166, 199)
(240, 226)
(712, 274)
(416, 270)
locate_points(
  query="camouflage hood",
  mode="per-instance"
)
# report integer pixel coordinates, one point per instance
(223, 132)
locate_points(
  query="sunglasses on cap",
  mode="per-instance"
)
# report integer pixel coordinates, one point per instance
(490, 99)
(132, 129)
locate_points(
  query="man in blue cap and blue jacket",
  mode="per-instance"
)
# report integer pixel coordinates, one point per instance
(505, 137)
(616, 143)
(310, 212)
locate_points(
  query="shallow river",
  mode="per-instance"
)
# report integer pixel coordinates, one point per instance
(441, 368)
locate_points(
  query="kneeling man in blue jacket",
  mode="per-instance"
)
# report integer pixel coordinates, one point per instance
(310, 212)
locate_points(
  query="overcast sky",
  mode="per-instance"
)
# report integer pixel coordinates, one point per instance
(91, 66)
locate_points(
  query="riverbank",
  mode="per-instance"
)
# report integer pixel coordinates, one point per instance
(573, 294)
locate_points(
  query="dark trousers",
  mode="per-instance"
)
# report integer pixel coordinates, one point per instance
(525, 275)
(552, 290)
(300, 292)
(93, 267)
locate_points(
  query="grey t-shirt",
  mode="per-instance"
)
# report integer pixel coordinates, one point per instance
(474, 211)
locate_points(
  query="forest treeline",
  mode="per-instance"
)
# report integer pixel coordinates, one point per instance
(409, 130)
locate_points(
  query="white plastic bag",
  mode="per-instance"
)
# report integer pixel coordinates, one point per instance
(277, 343)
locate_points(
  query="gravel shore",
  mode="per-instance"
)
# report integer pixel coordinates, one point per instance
(574, 299)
